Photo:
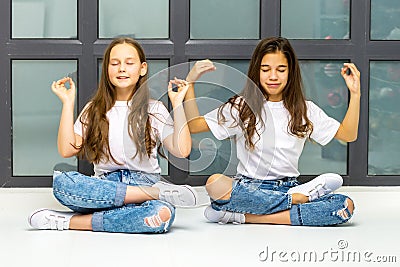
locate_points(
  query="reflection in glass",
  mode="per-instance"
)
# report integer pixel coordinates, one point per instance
(44, 19)
(384, 118)
(36, 116)
(136, 19)
(385, 20)
(221, 19)
(315, 19)
(324, 85)
(209, 155)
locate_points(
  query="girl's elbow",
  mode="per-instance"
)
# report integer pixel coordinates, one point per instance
(346, 135)
(181, 155)
(351, 138)
(66, 154)
(185, 152)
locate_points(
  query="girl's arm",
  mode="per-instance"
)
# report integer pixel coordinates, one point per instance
(197, 123)
(180, 142)
(348, 129)
(66, 135)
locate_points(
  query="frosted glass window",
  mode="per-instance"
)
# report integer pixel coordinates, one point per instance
(384, 118)
(133, 18)
(315, 19)
(324, 85)
(224, 19)
(44, 19)
(35, 116)
(385, 20)
(158, 84)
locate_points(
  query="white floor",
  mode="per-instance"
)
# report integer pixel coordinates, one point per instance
(370, 239)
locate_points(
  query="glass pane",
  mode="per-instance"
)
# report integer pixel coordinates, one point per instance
(384, 118)
(44, 19)
(36, 116)
(136, 19)
(158, 90)
(385, 20)
(315, 19)
(218, 19)
(324, 85)
(209, 155)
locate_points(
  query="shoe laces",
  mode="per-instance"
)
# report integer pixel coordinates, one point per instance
(318, 191)
(172, 197)
(57, 222)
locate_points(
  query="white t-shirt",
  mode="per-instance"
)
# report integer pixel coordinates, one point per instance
(122, 146)
(276, 153)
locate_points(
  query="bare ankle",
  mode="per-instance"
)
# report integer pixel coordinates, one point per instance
(81, 222)
(298, 198)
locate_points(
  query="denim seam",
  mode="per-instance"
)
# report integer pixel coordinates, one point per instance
(120, 194)
(97, 222)
(62, 192)
(295, 215)
(290, 201)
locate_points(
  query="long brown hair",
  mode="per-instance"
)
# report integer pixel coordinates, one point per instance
(95, 145)
(249, 103)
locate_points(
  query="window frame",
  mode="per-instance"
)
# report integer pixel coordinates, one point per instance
(87, 49)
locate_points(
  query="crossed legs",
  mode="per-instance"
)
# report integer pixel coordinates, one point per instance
(219, 187)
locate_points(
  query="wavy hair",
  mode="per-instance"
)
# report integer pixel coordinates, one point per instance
(249, 105)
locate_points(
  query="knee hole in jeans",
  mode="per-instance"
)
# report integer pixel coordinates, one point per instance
(162, 216)
(349, 207)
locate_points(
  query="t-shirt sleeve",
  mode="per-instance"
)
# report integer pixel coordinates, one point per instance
(226, 128)
(78, 126)
(161, 120)
(324, 127)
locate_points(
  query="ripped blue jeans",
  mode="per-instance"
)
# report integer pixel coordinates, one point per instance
(104, 198)
(266, 197)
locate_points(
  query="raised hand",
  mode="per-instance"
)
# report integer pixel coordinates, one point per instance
(177, 89)
(352, 79)
(66, 95)
(199, 68)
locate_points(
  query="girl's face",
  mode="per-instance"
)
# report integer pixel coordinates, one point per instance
(274, 72)
(125, 68)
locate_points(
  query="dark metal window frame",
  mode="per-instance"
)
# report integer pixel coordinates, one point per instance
(87, 49)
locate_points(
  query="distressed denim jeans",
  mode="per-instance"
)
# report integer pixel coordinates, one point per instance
(104, 198)
(266, 197)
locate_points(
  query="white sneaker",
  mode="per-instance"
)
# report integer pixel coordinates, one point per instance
(45, 219)
(223, 217)
(319, 186)
(177, 195)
